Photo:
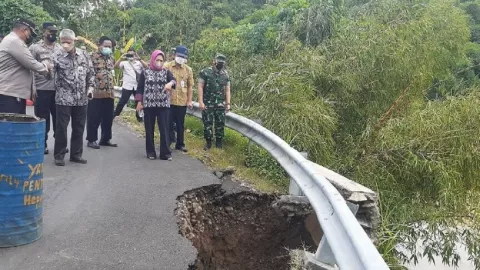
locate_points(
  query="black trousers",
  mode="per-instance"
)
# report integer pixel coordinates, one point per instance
(10, 104)
(177, 117)
(44, 107)
(78, 114)
(124, 100)
(100, 112)
(159, 115)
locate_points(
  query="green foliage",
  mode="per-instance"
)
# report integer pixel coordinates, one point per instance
(429, 158)
(364, 81)
(268, 167)
(13, 9)
(282, 95)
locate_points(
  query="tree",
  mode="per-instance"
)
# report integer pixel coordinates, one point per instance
(13, 9)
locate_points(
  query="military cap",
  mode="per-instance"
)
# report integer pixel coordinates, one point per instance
(49, 26)
(220, 58)
(28, 24)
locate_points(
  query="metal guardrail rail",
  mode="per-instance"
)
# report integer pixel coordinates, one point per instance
(350, 245)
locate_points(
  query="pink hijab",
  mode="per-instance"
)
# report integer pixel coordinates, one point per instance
(152, 60)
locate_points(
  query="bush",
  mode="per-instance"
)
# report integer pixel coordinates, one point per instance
(267, 166)
(13, 9)
(428, 158)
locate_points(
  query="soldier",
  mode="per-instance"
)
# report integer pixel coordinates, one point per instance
(214, 99)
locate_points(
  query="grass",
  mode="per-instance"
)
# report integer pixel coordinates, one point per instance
(235, 146)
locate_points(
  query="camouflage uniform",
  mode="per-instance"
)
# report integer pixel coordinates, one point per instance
(215, 82)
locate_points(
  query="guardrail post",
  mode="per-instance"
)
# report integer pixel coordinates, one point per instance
(294, 189)
(324, 253)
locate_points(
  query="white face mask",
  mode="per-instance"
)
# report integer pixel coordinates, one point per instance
(159, 64)
(180, 60)
(67, 47)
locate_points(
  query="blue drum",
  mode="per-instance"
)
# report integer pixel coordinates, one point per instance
(22, 140)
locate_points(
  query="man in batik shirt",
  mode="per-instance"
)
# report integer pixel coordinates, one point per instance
(74, 82)
(100, 108)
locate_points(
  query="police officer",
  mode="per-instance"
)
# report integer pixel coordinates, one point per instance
(214, 99)
(16, 66)
(45, 104)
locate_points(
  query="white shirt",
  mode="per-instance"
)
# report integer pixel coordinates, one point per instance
(129, 77)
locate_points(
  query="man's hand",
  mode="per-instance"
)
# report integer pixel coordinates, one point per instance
(137, 57)
(90, 93)
(227, 108)
(139, 106)
(202, 106)
(168, 87)
(190, 105)
(124, 56)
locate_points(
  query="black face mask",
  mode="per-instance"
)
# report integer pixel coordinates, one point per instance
(52, 38)
(29, 39)
(220, 65)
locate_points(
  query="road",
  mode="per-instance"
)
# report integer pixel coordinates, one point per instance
(116, 212)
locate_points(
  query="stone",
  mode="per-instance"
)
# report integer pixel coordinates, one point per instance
(229, 170)
(357, 197)
(196, 208)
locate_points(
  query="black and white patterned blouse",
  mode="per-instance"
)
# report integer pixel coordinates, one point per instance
(151, 88)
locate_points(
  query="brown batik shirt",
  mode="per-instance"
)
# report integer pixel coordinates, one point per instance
(103, 66)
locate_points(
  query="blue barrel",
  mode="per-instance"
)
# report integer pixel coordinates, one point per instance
(22, 140)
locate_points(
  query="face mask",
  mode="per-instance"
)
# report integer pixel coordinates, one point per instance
(67, 47)
(180, 60)
(106, 51)
(159, 64)
(219, 65)
(29, 39)
(52, 38)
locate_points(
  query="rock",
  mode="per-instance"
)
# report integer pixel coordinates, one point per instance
(357, 197)
(229, 170)
(218, 174)
(196, 208)
(228, 208)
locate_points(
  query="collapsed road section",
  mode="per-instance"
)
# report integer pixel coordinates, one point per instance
(233, 227)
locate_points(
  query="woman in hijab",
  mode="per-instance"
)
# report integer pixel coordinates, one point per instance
(153, 96)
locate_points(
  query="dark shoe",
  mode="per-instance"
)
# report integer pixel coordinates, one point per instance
(108, 143)
(79, 160)
(182, 148)
(152, 156)
(93, 145)
(208, 145)
(59, 162)
(169, 158)
(45, 151)
(219, 144)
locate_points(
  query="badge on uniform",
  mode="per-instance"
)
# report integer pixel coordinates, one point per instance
(182, 84)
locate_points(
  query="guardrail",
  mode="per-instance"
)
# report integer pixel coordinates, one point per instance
(351, 247)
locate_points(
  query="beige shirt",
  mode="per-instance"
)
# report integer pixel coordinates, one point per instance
(16, 68)
(184, 77)
(42, 53)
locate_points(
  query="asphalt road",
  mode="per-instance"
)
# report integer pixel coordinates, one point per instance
(116, 212)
